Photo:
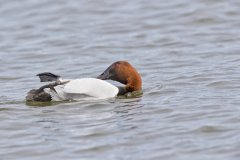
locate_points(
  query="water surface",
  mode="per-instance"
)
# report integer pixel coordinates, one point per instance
(187, 52)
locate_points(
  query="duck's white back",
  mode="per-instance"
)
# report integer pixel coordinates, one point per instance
(91, 88)
(83, 89)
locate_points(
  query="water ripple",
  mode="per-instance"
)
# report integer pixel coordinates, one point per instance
(186, 52)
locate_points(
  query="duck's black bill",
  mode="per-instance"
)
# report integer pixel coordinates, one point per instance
(105, 75)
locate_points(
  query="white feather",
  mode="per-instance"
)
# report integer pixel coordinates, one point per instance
(83, 89)
(91, 87)
(59, 95)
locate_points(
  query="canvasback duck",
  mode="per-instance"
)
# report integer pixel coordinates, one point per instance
(88, 88)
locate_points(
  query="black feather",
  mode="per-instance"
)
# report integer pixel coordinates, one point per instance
(48, 77)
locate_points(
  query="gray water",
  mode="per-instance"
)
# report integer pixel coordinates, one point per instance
(187, 52)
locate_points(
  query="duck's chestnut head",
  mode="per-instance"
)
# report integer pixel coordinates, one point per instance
(123, 72)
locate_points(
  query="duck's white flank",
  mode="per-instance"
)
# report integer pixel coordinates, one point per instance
(83, 89)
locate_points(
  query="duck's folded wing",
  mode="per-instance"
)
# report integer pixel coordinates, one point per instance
(89, 87)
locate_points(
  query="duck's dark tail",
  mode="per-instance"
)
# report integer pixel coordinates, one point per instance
(39, 94)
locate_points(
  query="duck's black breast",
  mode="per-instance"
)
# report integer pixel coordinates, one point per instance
(122, 91)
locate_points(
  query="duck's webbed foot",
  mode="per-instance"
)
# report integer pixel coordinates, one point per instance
(50, 85)
(48, 77)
